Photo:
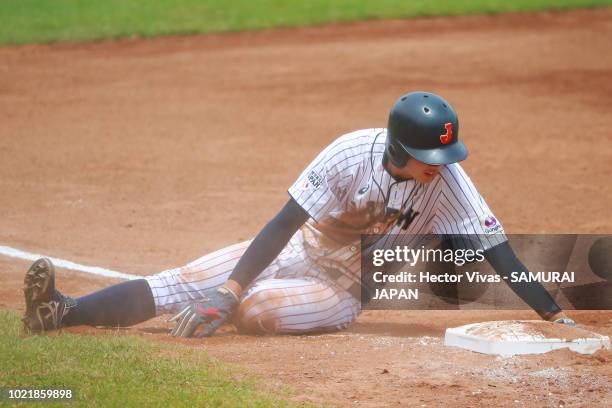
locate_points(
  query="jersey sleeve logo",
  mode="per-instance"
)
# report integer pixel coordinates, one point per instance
(490, 225)
(314, 179)
(448, 136)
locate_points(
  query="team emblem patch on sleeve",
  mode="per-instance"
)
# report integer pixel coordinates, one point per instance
(314, 179)
(490, 225)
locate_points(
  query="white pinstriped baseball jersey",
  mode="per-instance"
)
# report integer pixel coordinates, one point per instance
(314, 283)
(347, 192)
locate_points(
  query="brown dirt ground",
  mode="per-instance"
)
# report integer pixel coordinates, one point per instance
(140, 155)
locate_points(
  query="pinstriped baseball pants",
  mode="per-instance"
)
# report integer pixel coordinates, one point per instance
(292, 295)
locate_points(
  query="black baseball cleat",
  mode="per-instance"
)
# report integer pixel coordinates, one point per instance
(45, 306)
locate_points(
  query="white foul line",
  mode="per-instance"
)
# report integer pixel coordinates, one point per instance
(62, 263)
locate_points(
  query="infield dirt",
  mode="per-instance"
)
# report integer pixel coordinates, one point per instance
(141, 155)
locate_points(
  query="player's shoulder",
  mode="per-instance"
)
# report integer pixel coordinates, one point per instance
(455, 177)
(360, 137)
(353, 150)
(358, 141)
(452, 170)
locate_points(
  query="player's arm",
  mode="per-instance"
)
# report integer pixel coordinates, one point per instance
(504, 261)
(474, 217)
(314, 190)
(266, 246)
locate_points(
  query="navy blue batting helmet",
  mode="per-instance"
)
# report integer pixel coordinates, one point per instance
(424, 126)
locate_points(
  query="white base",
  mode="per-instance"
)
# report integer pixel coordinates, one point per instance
(511, 337)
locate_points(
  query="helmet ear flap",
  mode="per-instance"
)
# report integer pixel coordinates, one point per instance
(397, 157)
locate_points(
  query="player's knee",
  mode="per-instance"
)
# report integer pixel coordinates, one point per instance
(256, 316)
(267, 324)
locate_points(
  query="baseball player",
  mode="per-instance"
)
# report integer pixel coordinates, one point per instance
(301, 273)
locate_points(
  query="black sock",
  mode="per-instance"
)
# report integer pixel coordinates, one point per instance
(124, 304)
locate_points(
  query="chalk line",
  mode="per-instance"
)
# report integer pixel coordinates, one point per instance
(62, 263)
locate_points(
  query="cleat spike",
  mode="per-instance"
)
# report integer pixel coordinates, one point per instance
(45, 306)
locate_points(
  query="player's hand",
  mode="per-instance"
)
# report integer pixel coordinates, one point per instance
(566, 321)
(562, 318)
(213, 311)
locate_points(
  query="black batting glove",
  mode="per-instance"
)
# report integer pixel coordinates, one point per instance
(213, 311)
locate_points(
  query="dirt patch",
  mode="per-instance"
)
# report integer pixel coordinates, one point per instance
(141, 155)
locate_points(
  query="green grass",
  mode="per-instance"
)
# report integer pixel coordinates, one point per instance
(42, 21)
(120, 371)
